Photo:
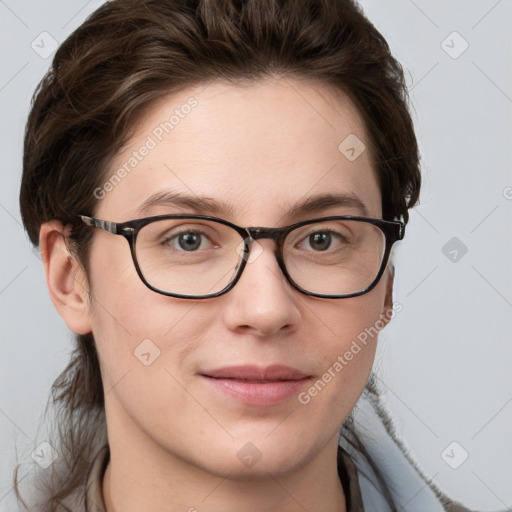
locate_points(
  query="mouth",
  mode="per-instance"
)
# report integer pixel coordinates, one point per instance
(254, 385)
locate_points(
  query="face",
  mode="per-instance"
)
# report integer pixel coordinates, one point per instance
(252, 154)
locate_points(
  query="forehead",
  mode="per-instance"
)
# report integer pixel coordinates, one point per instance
(258, 148)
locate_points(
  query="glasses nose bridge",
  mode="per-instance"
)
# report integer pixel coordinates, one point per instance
(257, 233)
(261, 233)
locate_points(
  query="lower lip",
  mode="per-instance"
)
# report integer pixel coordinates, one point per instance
(255, 393)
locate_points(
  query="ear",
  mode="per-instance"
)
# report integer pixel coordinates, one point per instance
(387, 310)
(65, 277)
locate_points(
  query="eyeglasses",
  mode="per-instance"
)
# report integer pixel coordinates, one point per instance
(198, 256)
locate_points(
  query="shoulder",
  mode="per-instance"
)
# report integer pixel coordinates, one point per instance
(389, 478)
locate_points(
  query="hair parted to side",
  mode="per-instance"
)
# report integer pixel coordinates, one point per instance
(130, 53)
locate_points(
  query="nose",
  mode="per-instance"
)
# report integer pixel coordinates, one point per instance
(262, 303)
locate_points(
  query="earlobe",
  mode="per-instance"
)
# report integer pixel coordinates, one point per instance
(65, 278)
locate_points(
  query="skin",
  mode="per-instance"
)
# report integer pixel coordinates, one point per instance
(261, 148)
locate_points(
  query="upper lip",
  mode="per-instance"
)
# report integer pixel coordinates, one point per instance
(271, 373)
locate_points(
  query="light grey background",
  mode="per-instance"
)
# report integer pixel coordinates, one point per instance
(445, 362)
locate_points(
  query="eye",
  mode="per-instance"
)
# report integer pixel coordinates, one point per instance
(187, 241)
(322, 241)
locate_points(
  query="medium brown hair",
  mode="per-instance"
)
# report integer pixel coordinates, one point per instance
(130, 53)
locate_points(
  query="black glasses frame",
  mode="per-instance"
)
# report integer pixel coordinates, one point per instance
(392, 230)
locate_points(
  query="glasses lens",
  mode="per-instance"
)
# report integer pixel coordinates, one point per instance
(334, 257)
(188, 256)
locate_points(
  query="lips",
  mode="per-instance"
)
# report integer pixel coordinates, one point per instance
(255, 386)
(254, 373)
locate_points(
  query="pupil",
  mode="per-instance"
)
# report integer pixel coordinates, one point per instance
(320, 241)
(189, 241)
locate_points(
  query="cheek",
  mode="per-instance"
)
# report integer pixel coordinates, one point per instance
(135, 328)
(351, 320)
(347, 354)
(343, 378)
(146, 335)
(145, 367)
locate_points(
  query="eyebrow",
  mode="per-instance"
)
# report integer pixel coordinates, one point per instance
(205, 205)
(208, 205)
(318, 203)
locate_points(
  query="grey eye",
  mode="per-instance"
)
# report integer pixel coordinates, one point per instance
(189, 241)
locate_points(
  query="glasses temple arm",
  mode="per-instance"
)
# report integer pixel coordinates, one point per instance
(105, 225)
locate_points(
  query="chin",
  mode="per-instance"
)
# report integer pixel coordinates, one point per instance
(261, 470)
(258, 460)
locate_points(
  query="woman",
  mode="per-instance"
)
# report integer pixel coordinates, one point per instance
(260, 160)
